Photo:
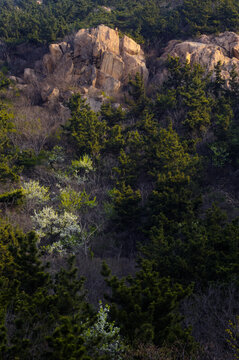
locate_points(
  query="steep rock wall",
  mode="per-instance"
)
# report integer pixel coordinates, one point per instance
(97, 61)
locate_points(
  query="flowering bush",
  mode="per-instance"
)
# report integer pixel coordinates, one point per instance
(49, 223)
(106, 335)
(33, 190)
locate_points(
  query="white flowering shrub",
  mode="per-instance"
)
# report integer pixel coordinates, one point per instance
(106, 335)
(65, 226)
(34, 191)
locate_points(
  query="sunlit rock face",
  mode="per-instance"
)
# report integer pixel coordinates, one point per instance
(95, 62)
(207, 50)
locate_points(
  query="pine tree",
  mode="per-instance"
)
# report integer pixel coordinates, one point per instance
(86, 129)
(145, 306)
(37, 304)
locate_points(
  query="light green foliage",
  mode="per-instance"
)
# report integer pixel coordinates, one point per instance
(81, 168)
(4, 81)
(85, 163)
(71, 200)
(34, 191)
(107, 334)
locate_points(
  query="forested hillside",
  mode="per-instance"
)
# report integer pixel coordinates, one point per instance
(146, 21)
(119, 234)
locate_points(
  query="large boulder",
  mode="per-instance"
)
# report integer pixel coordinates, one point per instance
(206, 51)
(130, 46)
(98, 57)
(94, 58)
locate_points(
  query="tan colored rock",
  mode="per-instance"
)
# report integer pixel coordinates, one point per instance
(116, 59)
(48, 63)
(83, 44)
(96, 41)
(235, 53)
(53, 95)
(112, 65)
(134, 65)
(49, 94)
(55, 53)
(29, 76)
(207, 51)
(64, 47)
(64, 69)
(207, 55)
(227, 41)
(130, 46)
(98, 59)
(107, 84)
(105, 8)
(105, 39)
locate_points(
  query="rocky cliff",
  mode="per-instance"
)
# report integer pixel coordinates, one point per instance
(96, 62)
(205, 50)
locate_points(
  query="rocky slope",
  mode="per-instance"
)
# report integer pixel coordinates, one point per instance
(96, 62)
(205, 50)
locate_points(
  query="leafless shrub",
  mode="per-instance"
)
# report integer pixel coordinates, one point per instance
(209, 313)
(176, 351)
(33, 126)
(90, 268)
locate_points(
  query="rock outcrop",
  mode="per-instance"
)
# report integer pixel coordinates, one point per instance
(205, 50)
(96, 62)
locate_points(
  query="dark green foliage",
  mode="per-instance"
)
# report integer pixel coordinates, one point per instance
(196, 250)
(137, 93)
(40, 23)
(187, 90)
(36, 304)
(208, 16)
(28, 158)
(85, 128)
(14, 197)
(67, 342)
(146, 306)
(146, 21)
(127, 205)
(8, 153)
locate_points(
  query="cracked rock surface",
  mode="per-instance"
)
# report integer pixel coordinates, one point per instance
(207, 50)
(95, 62)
